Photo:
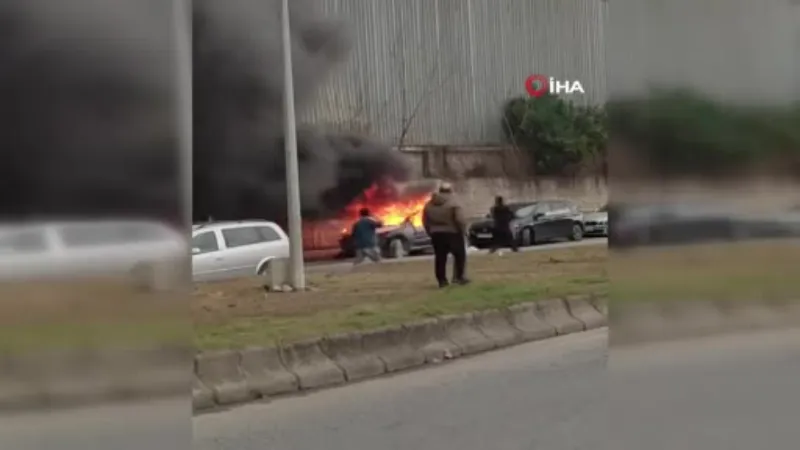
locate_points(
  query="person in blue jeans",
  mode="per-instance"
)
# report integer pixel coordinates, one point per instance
(365, 237)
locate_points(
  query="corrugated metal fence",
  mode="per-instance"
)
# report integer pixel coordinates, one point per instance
(736, 50)
(442, 69)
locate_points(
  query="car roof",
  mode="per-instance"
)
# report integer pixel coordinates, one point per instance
(517, 205)
(230, 224)
(44, 225)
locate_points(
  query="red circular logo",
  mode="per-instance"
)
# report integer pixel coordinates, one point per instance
(537, 85)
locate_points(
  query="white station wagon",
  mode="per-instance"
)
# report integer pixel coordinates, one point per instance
(224, 250)
(143, 249)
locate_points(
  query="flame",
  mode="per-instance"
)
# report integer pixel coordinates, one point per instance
(385, 203)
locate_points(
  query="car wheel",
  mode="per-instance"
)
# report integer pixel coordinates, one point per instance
(528, 238)
(577, 232)
(397, 249)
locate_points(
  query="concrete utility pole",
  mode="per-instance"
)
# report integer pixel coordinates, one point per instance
(296, 269)
(183, 89)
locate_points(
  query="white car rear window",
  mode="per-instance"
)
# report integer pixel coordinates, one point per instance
(100, 234)
(22, 241)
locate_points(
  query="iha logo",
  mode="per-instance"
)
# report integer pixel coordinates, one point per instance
(538, 85)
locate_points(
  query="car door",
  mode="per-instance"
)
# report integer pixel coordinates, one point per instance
(25, 252)
(208, 260)
(274, 243)
(244, 249)
(420, 237)
(95, 247)
(562, 218)
(542, 223)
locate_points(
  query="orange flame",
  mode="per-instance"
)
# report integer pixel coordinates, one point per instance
(384, 204)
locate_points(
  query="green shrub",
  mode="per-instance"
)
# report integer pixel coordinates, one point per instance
(679, 132)
(560, 137)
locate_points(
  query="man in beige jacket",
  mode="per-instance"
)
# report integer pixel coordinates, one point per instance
(444, 222)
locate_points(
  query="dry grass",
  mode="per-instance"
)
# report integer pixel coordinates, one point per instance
(89, 313)
(239, 313)
(752, 271)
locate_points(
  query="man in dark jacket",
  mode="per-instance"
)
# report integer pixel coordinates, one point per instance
(502, 236)
(365, 237)
(444, 222)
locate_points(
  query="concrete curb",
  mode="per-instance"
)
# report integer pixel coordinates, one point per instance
(430, 336)
(71, 378)
(347, 352)
(496, 325)
(236, 376)
(582, 309)
(641, 322)
(556, 313)
(393, 347)
(310, 365)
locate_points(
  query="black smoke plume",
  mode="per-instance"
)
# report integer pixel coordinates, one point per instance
(88, 113)
(87, 123)
(239, 164)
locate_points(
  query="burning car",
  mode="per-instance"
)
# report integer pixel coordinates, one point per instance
(395, 241)
(400, 213)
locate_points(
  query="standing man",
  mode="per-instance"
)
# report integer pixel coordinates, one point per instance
(502, 236)
(444, 222)
(365, 237)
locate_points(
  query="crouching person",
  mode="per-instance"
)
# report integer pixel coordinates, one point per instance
(365, 238)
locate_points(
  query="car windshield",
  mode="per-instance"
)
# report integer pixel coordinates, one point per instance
(522, 209)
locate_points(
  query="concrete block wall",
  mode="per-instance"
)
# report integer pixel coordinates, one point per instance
(477, 194)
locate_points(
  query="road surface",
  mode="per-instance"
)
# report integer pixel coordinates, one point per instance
(328, 266)
(724, 393)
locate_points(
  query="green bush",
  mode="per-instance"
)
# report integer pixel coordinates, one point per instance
(561, 138)
(676, 132)
(679, 132)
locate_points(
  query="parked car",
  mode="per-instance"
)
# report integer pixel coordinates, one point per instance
(638, 225)
(224, 250)
(395, 241)
(149, 253)
(595, 223)
(534, 222)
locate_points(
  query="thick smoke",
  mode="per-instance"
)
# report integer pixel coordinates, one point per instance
(239, 164)
(88, 123)
(86, 109)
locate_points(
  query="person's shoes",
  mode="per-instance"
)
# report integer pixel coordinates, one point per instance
(461, 281)
(443, 284)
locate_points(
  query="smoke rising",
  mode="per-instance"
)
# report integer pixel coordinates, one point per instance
(239, 163)
(86, 109)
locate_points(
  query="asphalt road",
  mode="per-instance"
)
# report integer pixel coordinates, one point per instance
(544, 395)
(724, 393)
(324, 266)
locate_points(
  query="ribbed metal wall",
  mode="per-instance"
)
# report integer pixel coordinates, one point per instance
(448, 66)
(736, 50)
